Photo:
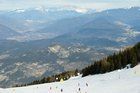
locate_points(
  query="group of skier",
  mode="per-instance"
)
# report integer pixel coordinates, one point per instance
(78, 91)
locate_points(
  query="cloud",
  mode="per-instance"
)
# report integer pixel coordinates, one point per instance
(94, 4)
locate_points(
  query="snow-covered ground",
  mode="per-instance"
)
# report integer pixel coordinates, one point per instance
(120, 81)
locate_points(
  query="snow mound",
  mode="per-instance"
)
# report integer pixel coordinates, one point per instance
(119, 81)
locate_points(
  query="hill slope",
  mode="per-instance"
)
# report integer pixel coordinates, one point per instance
(121, 81)
(6, 32)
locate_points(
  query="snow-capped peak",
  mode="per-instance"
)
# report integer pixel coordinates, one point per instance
(81, 10)
(53, 9)
(20, 10)
(42, 9)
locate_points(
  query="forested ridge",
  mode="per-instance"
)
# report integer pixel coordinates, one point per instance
(116, 61)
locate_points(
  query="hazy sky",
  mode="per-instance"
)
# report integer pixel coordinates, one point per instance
(94, 4)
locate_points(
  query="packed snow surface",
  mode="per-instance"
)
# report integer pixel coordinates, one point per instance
(120, 81)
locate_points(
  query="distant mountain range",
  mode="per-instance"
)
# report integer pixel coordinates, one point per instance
(31, 19)
(118, 26)
(39, 42)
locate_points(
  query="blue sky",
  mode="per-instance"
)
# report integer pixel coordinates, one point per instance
(93, 4)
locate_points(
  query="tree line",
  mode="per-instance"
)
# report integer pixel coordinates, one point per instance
(54, 78)
(116, 61)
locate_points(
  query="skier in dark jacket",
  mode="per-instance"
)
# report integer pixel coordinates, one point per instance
(79, 89)
(61, 90)
(87, 84)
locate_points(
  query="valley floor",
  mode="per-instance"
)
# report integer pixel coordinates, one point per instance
(120, 81)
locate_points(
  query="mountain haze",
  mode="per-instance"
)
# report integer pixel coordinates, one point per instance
(38, 43)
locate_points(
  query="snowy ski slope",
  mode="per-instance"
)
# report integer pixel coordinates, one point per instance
(120, 81)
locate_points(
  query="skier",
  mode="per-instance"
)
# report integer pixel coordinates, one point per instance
(78, 84)
(50, 88)
(135, 71)
(87, 84)
(79, 89)
(56, 87)
(61, 90)
(13, 90)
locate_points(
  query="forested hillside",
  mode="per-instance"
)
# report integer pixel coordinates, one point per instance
(116, 61)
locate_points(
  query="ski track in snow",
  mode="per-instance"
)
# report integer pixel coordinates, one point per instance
(120, 81)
